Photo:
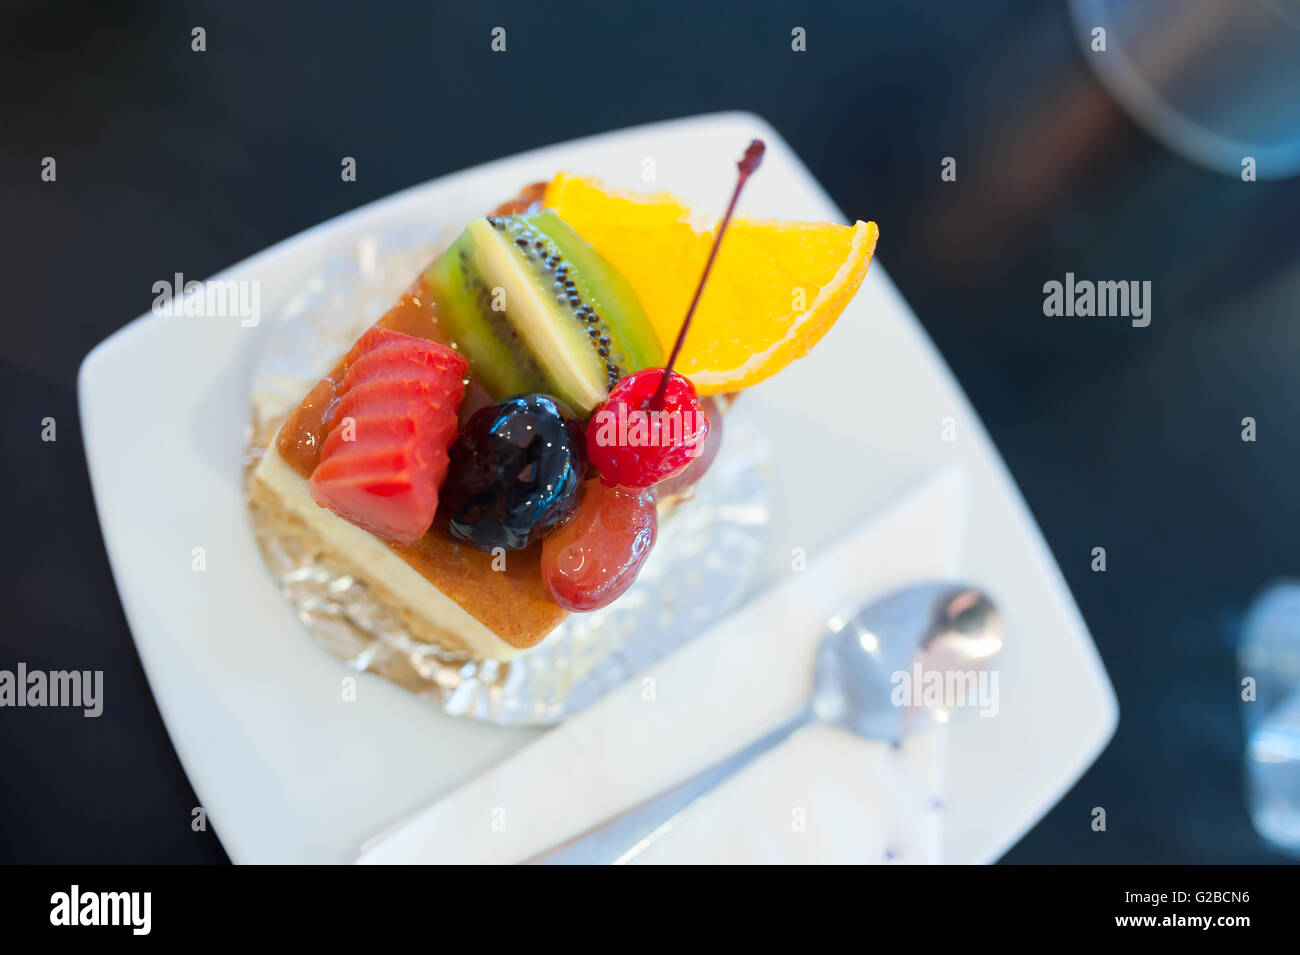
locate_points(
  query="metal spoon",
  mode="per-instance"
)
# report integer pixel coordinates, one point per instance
(944, 625)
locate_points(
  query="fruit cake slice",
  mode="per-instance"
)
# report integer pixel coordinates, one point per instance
(455, 461)
(519, 303)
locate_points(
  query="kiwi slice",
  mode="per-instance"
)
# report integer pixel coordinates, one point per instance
(534, 307)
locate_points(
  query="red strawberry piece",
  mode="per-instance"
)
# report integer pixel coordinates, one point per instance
(395, 360)
(384, 457)
(385, 471)
(381, 492)
(384, 398)
(416, 350)
(399, 427)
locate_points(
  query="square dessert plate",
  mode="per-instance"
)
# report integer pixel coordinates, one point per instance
(291, 768)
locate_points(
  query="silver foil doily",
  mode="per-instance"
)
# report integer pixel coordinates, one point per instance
(702, 564)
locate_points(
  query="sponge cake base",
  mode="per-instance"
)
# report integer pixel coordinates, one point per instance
(400, 578)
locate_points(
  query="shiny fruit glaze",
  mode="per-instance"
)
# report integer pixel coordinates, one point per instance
(590, 561)
(515, 472)
(633, 444)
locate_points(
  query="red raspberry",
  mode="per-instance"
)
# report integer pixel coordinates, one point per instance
(633, 445)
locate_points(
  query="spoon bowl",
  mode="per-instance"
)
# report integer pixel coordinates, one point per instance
(943, 626)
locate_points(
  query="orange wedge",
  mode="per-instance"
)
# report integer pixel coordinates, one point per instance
(776, 287)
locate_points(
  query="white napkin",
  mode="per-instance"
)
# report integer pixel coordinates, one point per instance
(824, 795)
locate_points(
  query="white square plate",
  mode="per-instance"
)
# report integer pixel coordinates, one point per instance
(288, 772)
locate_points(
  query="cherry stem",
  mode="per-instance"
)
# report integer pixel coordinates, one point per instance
(748, 163)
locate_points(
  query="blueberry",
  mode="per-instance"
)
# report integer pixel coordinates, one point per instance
(515, 472)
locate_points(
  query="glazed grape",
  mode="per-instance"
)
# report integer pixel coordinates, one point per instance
(515, 472)
(593, 559)
(632, 443)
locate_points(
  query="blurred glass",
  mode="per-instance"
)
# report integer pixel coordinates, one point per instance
(1269, 654)
(1214, 80)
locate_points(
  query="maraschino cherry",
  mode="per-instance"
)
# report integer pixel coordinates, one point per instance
(627, 441)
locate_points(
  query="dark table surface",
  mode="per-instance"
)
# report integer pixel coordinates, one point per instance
(174, 161)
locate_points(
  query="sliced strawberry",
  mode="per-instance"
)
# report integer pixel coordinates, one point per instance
(396, 423)
(374, 346)
(394, 360)
(388, 397)
(389, 463)
(416, 393)
(385, 454)
(389, 507)
(372, 338)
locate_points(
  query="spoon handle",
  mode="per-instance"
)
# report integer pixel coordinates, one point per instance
(623, 837)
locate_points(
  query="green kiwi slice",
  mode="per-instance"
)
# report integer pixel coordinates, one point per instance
(534, 307)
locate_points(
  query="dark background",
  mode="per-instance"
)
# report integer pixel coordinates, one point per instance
(174, 161)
